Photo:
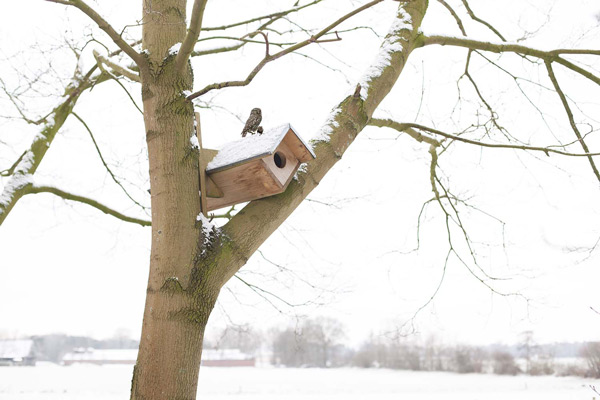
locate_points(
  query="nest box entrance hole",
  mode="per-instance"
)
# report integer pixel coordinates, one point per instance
(279, 159)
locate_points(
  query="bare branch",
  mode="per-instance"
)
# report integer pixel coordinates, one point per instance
(455, 16)
(401, 126)
(105, 26)
(119, 69)
(11, 170)
(12, 99)
(419, 137)
(187, 46)
(475, 18)
(572, 122)
(272, 16)
(85, 200)
(551, 55)
(312, 39)
(243, 41)
(263, 293)
(455, 217)
(112, 175)
(493, 115)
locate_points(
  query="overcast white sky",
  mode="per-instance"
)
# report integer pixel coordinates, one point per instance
(68, 268)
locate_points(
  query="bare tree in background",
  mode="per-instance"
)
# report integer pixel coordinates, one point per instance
(591, 352)
(191, 258)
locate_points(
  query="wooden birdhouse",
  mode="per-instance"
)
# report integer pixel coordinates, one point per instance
(253, 167)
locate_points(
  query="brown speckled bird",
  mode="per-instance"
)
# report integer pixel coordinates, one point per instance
(253, 122)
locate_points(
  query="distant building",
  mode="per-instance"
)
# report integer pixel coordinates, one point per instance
(17, 352)
(227, 358)
(90, 355)
(210, 358)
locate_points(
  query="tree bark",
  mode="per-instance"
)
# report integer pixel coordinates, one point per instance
(180, 293)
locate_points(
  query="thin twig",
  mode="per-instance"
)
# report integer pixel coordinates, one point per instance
(112, 175)
(105, 26)
(272, 16)
(481, 21)
(261, 64)
(455, 16)
(572, 122)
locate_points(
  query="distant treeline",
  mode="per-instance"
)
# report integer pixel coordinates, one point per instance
(319, 342)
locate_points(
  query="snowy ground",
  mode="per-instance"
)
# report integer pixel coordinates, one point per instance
(51, 382)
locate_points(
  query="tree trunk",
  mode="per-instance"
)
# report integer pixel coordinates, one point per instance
(190, 263)
(180, 295)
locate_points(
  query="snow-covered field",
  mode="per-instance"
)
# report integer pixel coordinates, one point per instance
(51, 382)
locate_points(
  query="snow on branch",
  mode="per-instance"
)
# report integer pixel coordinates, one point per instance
(392, 44)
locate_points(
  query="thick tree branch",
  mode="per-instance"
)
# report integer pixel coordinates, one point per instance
(187, 46)
(248, 229)
(32, 189)
(572, 122)
(106, 27)
(291, 49)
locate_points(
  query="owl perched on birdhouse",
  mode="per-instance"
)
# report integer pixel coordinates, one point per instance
(253, 122)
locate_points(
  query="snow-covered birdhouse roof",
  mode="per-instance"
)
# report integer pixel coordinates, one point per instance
(257, 146)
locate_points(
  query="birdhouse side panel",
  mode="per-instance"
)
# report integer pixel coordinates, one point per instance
(282, 164)
(243, 183)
